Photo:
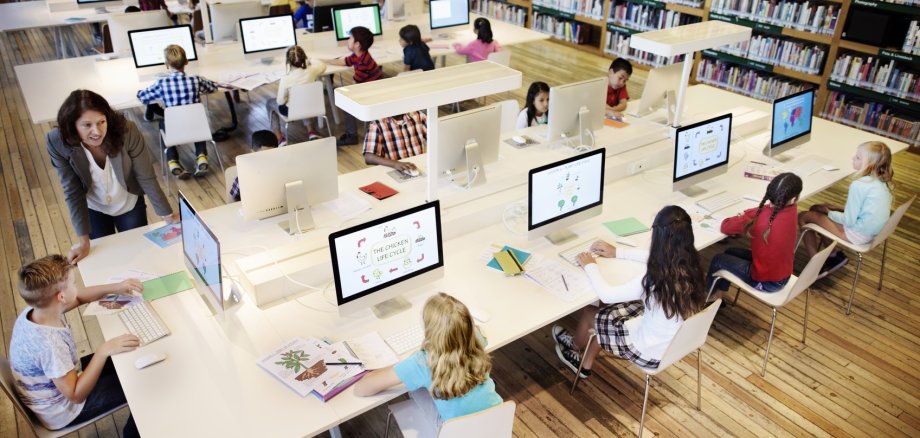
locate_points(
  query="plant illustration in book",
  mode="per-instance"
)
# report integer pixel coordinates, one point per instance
(296, 360)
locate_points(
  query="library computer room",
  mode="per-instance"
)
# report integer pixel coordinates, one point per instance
(445, 218)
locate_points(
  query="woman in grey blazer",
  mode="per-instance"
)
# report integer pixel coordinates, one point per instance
(105, 170)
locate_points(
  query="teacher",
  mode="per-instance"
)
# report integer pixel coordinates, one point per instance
(105, 170)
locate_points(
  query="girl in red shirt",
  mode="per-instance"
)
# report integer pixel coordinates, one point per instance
(768, 264)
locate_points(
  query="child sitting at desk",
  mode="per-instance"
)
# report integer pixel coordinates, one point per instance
(43, 355)
(366, 70)
(536, 109)
(261, 140)
(619, 72)
(416, 54)
(480, 48)
(299, 70)
(391, 139)
(449, 377)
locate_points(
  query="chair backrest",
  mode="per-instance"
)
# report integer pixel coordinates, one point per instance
(305, 101)
(503, 57)
(892, 223)
(106, 39)
(496, 421)
(809, 274)
(690, 336)
(9, 388)
(510, 110)
(280, 10)
(197, 21)
(229, 176)
(186, 124)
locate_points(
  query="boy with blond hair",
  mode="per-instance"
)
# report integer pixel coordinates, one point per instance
(43, 355)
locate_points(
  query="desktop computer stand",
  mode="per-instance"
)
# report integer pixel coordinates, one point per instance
(693, 191)
(391, 307)
(582, 116)
(561, 237)
(300, 218)
(780, 157)
(475, 171)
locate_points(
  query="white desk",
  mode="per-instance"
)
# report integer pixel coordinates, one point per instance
(211, 385)
(34, 14)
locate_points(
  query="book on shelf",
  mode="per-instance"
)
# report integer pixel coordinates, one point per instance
(618, 44)
(875, 74)
(840, 107)
(301, 365)
(747, 81)
(801, 15)
(501, 11)
(912, 38)
(646, 17)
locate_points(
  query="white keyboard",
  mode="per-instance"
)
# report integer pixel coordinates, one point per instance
(569, 254)
(407, 340)
(718, 201)
(142, 321)
(805, 167)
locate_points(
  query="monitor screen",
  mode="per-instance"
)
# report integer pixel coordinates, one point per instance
(792, 117)
(447, 13)
(267, 33)
(200, 248)
(372, 256)
(702, 146)
(347, 18)
(147, 44)
(564, 188)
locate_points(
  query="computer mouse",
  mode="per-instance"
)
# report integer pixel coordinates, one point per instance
(519, 140)
(829, 167)
(479, 314)
(411, 172)
(149, 359)
(752, 198)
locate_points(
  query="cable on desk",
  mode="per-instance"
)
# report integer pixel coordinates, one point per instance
(323, 290)
(517, 209)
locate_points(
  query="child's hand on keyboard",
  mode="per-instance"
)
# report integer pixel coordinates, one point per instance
(604, 249)
(584, 259)
(131, 286)
(119, 344)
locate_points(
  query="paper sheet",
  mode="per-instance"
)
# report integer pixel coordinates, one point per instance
(166, 235)
(111, 304)
(549, 274)
(373, 351)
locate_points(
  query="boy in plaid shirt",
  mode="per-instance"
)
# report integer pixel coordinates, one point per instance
(366, 70)
(393, 138)
(177, 89)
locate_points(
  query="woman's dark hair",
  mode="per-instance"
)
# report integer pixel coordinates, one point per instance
(81, 101)
(782, 189)
(411, 34)
(483, 29)
(535, 89)
(674, 275)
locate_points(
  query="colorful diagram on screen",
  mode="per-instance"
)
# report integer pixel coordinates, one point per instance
(566, 187)
(791, 119)
(702, 147)
(567, 190)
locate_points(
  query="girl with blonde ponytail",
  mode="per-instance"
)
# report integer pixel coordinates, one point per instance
(298, 70)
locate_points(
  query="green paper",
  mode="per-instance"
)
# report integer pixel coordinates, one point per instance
(166, 285)
(626, 227)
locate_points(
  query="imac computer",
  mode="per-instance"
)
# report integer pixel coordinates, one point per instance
(289, 180)
(575, 108)
(98, 5)
(564, 193)
(345, 18)
(376, 262)
(147, 46)
(447, 16)
(791, 122)
(398, 10)
(701, 152)
(120, 24)
(469, 140)
(322, 13)
(267, 37)
(201, 253)
(226, 16)
(659, 91)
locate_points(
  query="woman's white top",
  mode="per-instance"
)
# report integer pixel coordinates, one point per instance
(106, 194)
(522, 120)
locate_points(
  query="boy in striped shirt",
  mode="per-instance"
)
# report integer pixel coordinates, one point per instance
(360, 41)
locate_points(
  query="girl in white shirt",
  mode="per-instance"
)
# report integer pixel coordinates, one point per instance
(641, 317)
(536, 109)
(300, 70)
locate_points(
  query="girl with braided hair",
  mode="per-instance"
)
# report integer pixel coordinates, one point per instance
(773, 227)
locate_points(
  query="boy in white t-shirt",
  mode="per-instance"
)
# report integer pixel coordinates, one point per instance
(43, 354)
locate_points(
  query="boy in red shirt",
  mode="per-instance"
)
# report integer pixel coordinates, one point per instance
(366, 70)
(617, 97)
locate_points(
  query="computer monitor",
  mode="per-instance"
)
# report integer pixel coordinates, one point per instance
(791, 121)
(226, 16)
(576, 107)
(564, 193)
(322, 13)
(701, 152)
(266, 37)
(346, 18)
(288, 179)
(448, 15)
(120, 24)
(147, 45)
(201, 253)
(468, 141)
(659, 91)
(99, 5)
(398, 10)
(376, 262)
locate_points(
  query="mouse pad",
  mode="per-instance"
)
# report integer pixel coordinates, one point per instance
(402, 177)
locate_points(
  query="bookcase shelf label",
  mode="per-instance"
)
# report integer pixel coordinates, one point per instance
(551, 11)
(899, 56)
(887, 6)
(874, 96)
(763, 27)
(739, 60)
(620, 29)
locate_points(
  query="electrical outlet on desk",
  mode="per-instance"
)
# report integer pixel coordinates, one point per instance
(637, 166)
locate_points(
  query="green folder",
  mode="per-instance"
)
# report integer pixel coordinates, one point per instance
(166, 285)
(626, 227)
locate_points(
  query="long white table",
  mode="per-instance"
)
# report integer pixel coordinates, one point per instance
(210, 383)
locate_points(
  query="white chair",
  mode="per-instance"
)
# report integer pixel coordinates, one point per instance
(690, 336)
(510, 110)
(185, 124)
(794, 287)
(305, 101)
(229, 176)
(881, 237)
(8, 384)
(503, 57)
(495, 422)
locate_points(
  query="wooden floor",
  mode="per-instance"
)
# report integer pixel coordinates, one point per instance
(856, 376)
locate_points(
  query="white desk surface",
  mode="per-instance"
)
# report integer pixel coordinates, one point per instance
(211, 385)
(31, 14)
(45, 88)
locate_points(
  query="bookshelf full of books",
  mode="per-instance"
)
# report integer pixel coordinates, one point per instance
(514, 13)
(627, 17)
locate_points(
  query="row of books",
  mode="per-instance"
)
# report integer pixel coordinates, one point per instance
(618, 44)
(788, 53)
(743, 80)
(877, 75)
(803, 16)
(871, 116)
(644, 17)
(561, 28)
(587, 8)
(501, 11)
(903, 2)
(912, 39)
(691, 3)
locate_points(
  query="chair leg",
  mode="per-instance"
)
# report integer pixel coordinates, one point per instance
(648, 379)
(766, 354)
(220, 159)
(699, 379)
(805, 321)
(855, 280)
(737, 295)
(386, 429)
(328, 126)
(582, 362)
(712, 288)
(799, 241)
(881, 272)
